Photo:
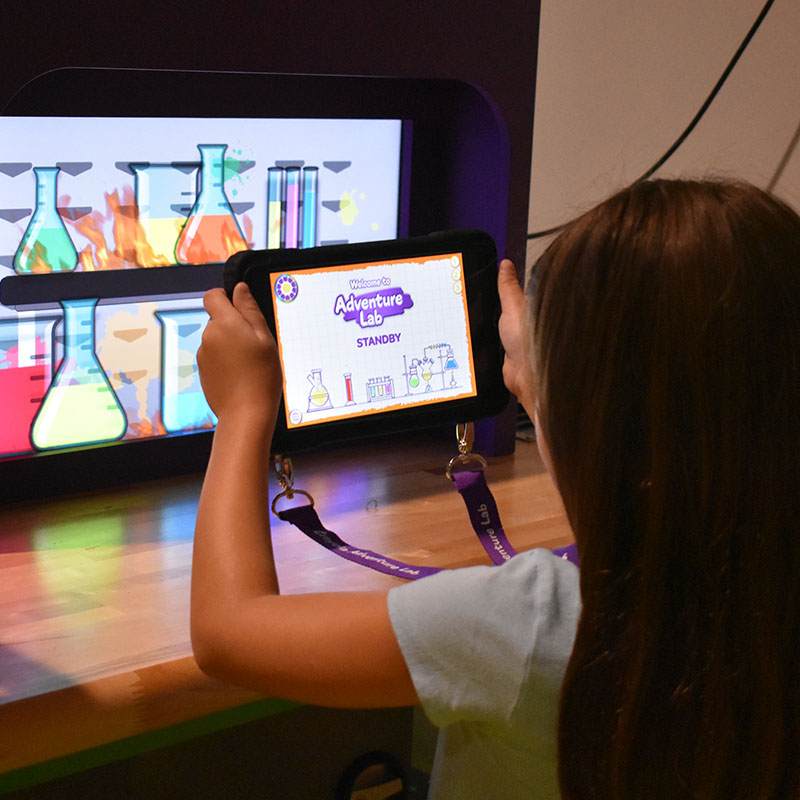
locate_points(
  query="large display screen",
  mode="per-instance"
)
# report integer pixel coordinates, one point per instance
(82, 194)
(368, 338)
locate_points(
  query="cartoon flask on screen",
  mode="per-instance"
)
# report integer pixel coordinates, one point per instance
(46, 246)
(318, 396)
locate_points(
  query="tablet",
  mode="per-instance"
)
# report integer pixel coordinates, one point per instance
(379, 337)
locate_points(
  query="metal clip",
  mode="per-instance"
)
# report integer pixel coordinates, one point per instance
(465, 436)
(285, 472)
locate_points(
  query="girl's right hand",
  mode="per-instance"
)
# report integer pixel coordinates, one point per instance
(238, 358)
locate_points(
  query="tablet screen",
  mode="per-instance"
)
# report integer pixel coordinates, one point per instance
(367, 338)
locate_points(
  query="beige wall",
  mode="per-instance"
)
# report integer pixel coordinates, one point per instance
(619, 80)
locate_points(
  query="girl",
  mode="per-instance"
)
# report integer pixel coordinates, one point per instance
(658, 350)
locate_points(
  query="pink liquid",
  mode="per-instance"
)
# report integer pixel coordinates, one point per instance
(292, 214)
(22, 390)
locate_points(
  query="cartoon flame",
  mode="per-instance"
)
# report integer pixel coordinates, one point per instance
(146, 427)
(37, 262)
(129, 247)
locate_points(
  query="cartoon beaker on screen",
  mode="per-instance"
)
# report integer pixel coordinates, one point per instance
(164, 196)
(45, 246)
(211, 233)
(80, 406)
(183, 403)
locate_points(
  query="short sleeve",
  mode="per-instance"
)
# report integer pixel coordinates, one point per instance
(473, 638)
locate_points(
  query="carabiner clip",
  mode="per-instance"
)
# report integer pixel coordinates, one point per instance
(465, 436)
(285, 472)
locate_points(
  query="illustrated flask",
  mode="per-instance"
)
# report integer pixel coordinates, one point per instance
(46, 245)
(318, 396)
(211, 232)
(80, 406)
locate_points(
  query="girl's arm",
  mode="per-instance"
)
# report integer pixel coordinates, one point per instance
(334, 649)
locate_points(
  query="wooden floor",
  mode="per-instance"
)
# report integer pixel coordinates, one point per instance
(94, 590)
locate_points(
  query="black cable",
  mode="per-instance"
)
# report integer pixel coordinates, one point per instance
(781, 168)
(697, 117)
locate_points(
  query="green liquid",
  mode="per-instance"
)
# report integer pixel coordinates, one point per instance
(46, 250)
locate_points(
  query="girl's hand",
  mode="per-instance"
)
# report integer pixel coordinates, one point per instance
(514, 333)
(238, 358)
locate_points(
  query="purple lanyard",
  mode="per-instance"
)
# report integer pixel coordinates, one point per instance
(307, 520)
(471, 484)
(482, 513)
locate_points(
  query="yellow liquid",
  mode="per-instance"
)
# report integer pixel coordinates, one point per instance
(319, 397)
(274, 225)
(162, 235)
(78, 414)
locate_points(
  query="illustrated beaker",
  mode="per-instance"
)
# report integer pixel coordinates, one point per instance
(45, 245)
(164, 195)
(318, 397)
(25, 373)
(183, 403)
(80, 406)
(211, 233)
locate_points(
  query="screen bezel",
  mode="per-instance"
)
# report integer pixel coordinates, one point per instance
(479, 258)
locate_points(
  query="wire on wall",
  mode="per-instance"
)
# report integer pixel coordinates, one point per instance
(781, 168)
(695, 120)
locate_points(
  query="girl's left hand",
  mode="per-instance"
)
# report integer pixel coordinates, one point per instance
(238, 358)
(514, 333)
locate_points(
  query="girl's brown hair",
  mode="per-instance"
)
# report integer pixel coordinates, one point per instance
(666, 340)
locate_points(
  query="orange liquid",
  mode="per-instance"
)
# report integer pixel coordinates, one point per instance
(209, 238)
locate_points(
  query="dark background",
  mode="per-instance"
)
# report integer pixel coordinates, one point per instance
(491, 45)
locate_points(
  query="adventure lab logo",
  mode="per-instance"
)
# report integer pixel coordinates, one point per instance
(371, 309)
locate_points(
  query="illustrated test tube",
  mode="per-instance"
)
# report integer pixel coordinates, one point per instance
(310, 175)
(291, 236)
(274, 204)
(348, 387)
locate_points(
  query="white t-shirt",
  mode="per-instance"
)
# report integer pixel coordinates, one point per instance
(487, 648)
